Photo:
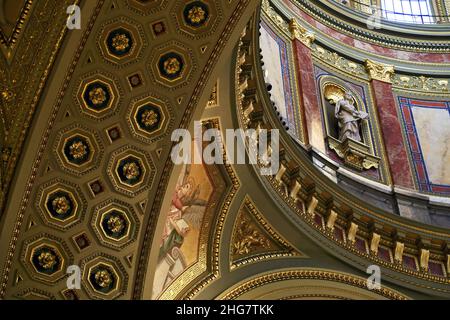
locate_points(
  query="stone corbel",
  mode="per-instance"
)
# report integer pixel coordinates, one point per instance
(300, 33)
(374, 244)
(379, 71)
(424, 259)
(331, 220)
(355, 154)
(351, 237)
(448, 264)
(312, 206)
(295, 190)
(398, 256)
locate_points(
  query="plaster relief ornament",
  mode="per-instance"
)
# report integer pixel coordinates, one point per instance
(149, 118)
(78, 150)
(349, 118)
(103, 278)
(47, 260)
(97, 96)
(61, 205)
(120, 42)
(172, 66)
(131, 170)
(197, 15)
(116, 224)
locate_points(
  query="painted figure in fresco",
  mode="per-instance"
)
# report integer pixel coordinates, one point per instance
(349, 118)
(186, 209)
(186, 213)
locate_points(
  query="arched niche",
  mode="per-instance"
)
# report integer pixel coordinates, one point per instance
(357, 154)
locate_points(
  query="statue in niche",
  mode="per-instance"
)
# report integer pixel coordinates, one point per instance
(349, 118)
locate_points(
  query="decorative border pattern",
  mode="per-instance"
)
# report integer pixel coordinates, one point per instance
(416, 156)
(10, 41)
(292, 116)
(309, 274)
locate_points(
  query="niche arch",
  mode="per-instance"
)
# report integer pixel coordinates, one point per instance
(359, 155)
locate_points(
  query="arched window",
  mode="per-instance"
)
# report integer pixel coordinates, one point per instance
(410, 11)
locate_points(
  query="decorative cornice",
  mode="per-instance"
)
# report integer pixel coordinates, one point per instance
(379, 71)
(308, 274)
(387, 40)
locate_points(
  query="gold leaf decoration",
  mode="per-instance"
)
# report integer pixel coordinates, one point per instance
(254, 239)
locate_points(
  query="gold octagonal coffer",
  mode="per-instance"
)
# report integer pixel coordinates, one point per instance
(104, 277)
(115, 224)
(61, 204)
(98, 95)
(46, 258)
(149, 118)
(78, 150)
(121, 41)
(131, 170)
(197, 18)
(172, 64)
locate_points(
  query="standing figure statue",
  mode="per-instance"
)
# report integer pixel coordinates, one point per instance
(349, 117)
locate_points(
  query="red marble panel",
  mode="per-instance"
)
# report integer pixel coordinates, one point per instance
(392, 134)
(307, 88)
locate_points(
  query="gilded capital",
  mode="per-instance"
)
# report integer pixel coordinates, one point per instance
(300, 33)
(379, 71)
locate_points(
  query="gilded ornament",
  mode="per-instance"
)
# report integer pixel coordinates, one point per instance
(61, 205)
(379, 71)
(103, 278)
(131, 170)
(421, 83)
(248, 239)
(7, 95)
(149, 118)
(172, 66)
(300, 33)
(97, 96)
(120, 42)
(115, 224)
(47, 260)
(197, 15)
(78, 150)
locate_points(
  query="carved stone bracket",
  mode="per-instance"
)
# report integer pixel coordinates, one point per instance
(355, 154)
